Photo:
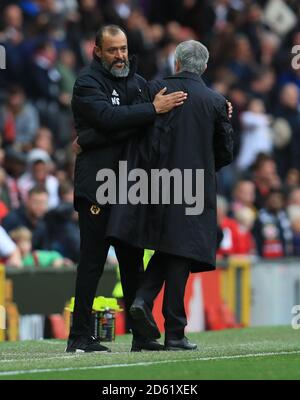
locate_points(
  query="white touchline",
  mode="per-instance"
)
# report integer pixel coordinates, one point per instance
(61, 357)
(37, 359)
(80, 355)
(145, 364)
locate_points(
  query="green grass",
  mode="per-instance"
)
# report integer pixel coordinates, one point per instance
(250, 353)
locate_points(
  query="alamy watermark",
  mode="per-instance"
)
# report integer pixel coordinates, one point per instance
(2, 318)
(296, 58)
(159, 186)
(296, 319)
(2, 57)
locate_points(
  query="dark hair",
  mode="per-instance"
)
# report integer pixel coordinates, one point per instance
(15, 89)
(260, 160)
(43, 45)
(111, 29)
(37, 190)
(275, 191)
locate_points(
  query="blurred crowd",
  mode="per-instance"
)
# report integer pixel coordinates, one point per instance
(250, 42)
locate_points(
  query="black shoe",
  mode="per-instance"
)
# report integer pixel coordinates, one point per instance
(85, 345)
(146, 344)
(180, 344)
(143, 320)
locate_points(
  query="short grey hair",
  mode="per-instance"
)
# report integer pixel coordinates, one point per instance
(192, 56)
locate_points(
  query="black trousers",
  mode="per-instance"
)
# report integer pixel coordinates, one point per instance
(93, 253)
(174, 272)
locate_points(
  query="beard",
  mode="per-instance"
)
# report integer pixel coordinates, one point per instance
(116, 72)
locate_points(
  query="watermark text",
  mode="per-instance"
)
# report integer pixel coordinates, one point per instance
(296, 319)
(296, 58)
(2, 57)
(157, 186)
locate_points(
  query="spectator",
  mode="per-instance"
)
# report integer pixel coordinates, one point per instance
(294, 197)
(66, 67)
(253, 26)
(256, 134)
(292, 179)
(39, 166)
(13, 17)
(90, 16)
(44, 141)
(289, 156)
(9, 253)
(19, 120)
(265, 178)
(44, 76)
(43, 84)
(269, 45)
(5, 200)
(141, 43)
(38, 258)
(242, 61)
(30, 215)
(13, 39)
(230, 229)
(62, 225)
(294, 216)
(272, 228)
(245, 218)
(243, 195)
(14, 165)
(166, 59)
(263, 86)
(117, 11)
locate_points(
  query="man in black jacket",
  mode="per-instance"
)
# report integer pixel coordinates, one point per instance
(105, 117)
(32, 216)
(181, 153)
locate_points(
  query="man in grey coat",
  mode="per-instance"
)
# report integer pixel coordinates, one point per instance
(186, 147)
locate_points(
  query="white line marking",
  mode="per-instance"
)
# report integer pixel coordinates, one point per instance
(23, 353)
(147, 363)
(38, 359)
(70, 355)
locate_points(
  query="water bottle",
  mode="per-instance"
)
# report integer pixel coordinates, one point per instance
(107, 326)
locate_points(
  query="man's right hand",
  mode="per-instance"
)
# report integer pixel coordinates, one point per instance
(76, 147)
(164, 103)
